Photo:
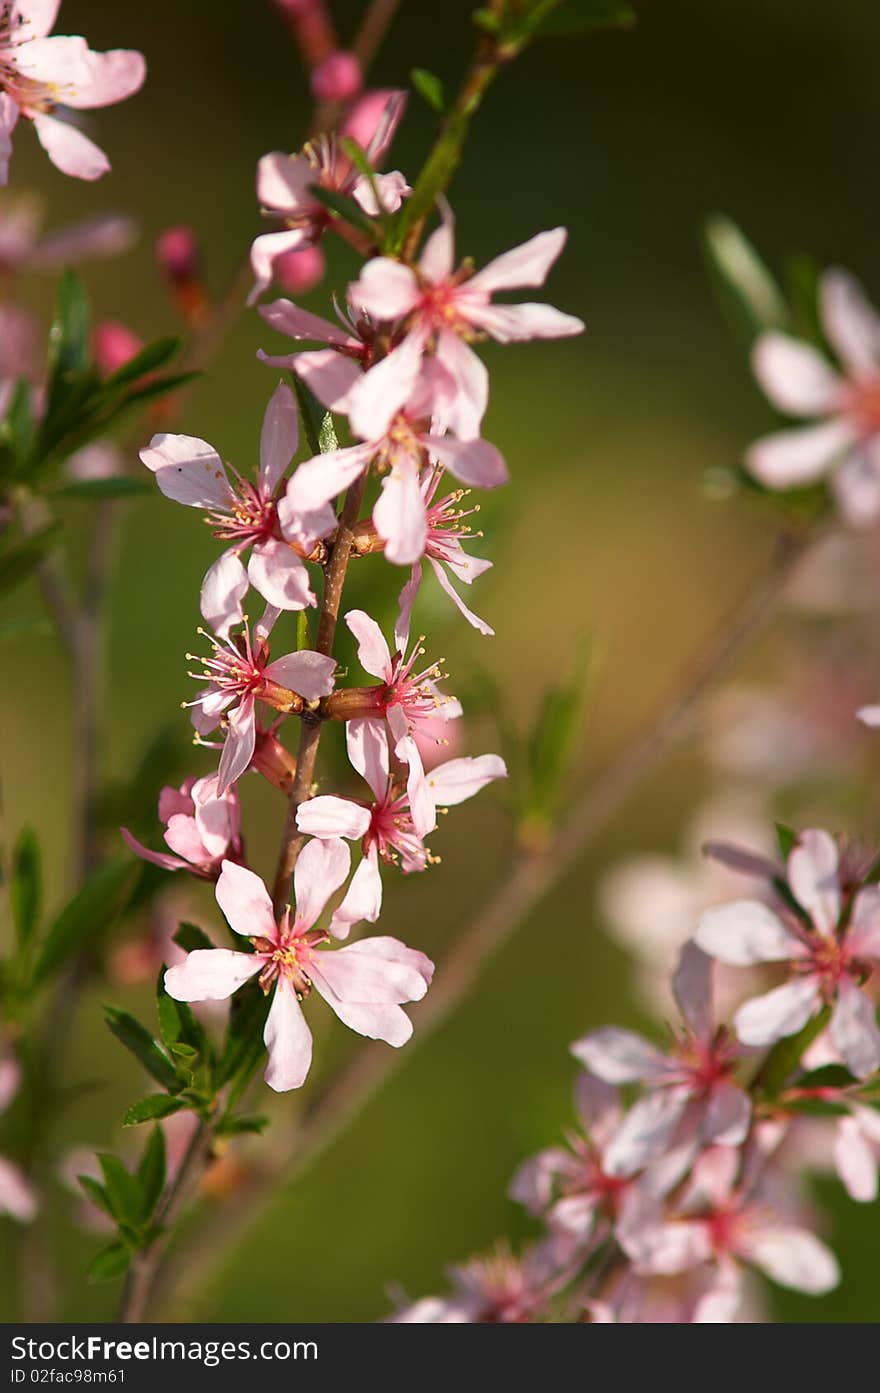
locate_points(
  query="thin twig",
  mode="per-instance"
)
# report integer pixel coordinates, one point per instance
(529, 878)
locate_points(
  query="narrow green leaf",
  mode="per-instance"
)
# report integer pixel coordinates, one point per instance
(21, 559)
(110, 1263)
(317, 423)
(69, 334)
(785, 1056)
(151, 1109)
(189, 937)
(117, 486)
(151, 1172)
(85, 918)
(152, 357)
(136, 1038)
(429, 87)
(244, 1039)
(25, 889)
(18, 427)
(748, 291)
(785, 839)
(122, 1189)
(827, 1076)
(235, 1126)
(96, 1194)
(572, 18)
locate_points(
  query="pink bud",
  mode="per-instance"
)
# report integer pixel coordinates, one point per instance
(114, 345)
(178, 254)
(299, 271)
(337, 78)
(371, 111)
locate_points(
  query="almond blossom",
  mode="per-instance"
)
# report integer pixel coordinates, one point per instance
(39, 74)
(202, 828)
(239, 674)
(189, 471)
(499, 1289)
(724, 1217)
(857, 1152)
(830, 945)
(284, 187)
(24, 248)
(392, 828)
(447, 308)
(398, 438)
(692, 1097)
(17, 1196)
(364, 984)
(844, 444)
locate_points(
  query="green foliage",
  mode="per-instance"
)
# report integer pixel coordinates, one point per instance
(429, 87)
(190, 936)
(25, 887)
(748, 293)
(85, 918)
(540, 19)
(117, 486)
(317, 423)
(147, 1051)
(151, 1108)
(244, 1039)
(19, 559)
(131, 1200)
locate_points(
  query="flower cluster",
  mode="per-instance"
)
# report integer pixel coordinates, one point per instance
(401, 367)
(682, 1177)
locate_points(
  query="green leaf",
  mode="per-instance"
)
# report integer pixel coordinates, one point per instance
(68, 338)
(828, 1076)
(303, 632)
(815, 1107)
(122, 1189)
(85, 918)
(154, 356)
(235, 1126)
(317, 423)
(189, 937)
(96, 1194)
(21, 559)
(785, 1056)
(558, 729)
(574, 17)
(151, 1109)
(487, 20)
(18, 427)
(25, 889)
(110, 1263)
(785, 839)
(344, 208)
(116, 486)
(429, 86)
(748, 292)
(244, 1038)
(151, 1172)
(136, 1038)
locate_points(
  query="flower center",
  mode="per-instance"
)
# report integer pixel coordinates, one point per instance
(251, 518)
(862, 405)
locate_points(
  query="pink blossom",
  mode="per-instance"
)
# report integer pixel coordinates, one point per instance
(365, 983)
(17, 1196)
(830, 954)
(300, 271)
(40, 74)
(692, 1096)
(337, 78)
(725, 1222)
(23, 248)
(393, 826)
(857, 1152)
(114, 345)
(190, 471)
(447, 308)
(284, 189)
(397, 440)
(499, 1289)
(844, 443)
(239, 674)
(202, 828)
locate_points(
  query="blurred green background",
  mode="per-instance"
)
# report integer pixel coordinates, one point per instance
(766, 109)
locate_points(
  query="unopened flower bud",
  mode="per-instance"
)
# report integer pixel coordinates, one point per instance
(274, 762)
(114, 345)
(337, 78)
(178, 256)
(299, 271)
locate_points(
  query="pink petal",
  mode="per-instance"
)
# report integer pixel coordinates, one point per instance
(182, 836)
(176, 800)
(472, 383)
(405, 601)
(437, 260)
(105, 78)
(34, 18)
(392, 190)
(855, 485)
(855, 1161)
(854, 1029)
(474, 462)
(813, 878)
(869, 715)
(619, 1056)
(474, 619)
(363, 898)
(17, 1196)
(459, 779)
(245, 901)
(265, 250)
(367, 745)
(533, 1183)
(781, 1012)
(793, 1258)
(211, 974)
(329, 375)
(279, 438)
(794, 458)
(746, 932)
(421, 805)
(321, 868)
(223, 589)
(328, 816)
(519, 323)
(308, 673)
(156, 858)
(646, 1131)
(284, 184)
(376, 971)
(525, 265)
(850, 322)
(8, 118)
(373, 120)
(385, 390)
(385, 289)
(280, 576)
(692, 989)
(863, 934)
(322, 477)
(238, 747)
(727, 1116)
(217, 816)
(188, 470)
(289, 319)
(373, 654)
(68, 149)
(400, 516)
(598, 1107)
(795, 376)
(288, 1039)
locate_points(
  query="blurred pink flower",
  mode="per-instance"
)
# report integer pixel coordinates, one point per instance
(23, 248)
(299, 271)
(38, 74)
(830, 955)
(365, 983)
(114, 345)
(845, 444)
(498, 1289)
(337, 78)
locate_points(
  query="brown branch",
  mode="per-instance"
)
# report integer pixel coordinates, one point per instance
(530, 877)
